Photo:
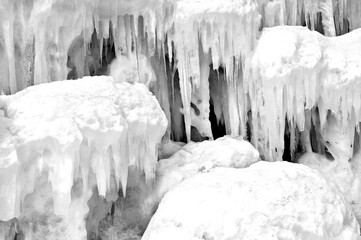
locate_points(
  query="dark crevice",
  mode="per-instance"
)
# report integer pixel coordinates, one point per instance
(195, 108)
(287, 143)
(178, 133)
(94, 64)
(249, 126)
(319, 26)
(218, 128)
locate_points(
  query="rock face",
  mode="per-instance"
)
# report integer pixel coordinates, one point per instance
(265, 201)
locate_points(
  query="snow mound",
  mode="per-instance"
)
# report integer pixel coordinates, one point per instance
(195, 158)
(91, 129)
(265, 201)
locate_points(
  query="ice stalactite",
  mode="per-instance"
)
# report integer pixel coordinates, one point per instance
(210, 30)
(300, 71)
(50, 41)
(314, 14)
(92, 131)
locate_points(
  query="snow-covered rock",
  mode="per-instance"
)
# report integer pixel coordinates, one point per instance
(265, 201)
(78, 134)
(196, 158)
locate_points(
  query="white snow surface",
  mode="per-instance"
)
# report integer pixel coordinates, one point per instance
(76, 129)
(277, 200)
(196, 158)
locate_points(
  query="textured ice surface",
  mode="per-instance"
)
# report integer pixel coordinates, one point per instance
(75, 134)
(265, 201)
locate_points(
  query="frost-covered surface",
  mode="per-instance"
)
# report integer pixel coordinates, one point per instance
(296, 69)
(265, 201)
(196, 158)
(72, 135)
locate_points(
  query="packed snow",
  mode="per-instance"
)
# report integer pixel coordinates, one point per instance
(265, 201)
(75, 134)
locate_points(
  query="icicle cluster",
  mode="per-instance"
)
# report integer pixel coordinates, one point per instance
(90, 129)
(41, 41)
(294, 69)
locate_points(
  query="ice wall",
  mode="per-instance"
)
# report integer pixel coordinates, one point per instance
(75, 135)
(42, 41)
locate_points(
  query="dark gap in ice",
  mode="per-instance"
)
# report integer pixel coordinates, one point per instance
(94, 64)
(299, 149)
(356, 142)
(319, 25)
(175, 102)
(218, 128)
(249, 126)
(287, 141)
(196, 136)
(303, 19)
(195, 108)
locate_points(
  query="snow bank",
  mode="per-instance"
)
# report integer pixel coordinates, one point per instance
(265, 201)
(195, 158)
(80, 134)
(296, 69)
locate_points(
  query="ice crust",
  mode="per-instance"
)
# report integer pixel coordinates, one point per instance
(265, 201)
(89, 130)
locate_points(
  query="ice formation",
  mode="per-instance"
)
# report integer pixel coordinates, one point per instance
(296, 69)
(75, 135)
(208, 62)
(42, 41)
(254, 203)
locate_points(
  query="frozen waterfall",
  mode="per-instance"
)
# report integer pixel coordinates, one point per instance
(101, 102)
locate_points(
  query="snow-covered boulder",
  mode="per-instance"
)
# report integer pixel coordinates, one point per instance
(77, 134)
(195, 158)
(277, 200)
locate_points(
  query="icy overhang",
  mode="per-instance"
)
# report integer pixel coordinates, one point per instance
(294, 69)
(71, 128)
